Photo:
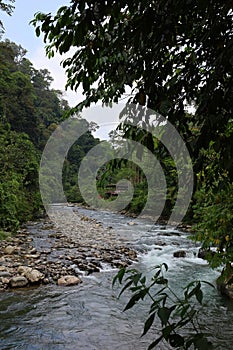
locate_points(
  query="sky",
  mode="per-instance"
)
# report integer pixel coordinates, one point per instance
(18, 30)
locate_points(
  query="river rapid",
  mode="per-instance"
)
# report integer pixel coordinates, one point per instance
(89, 315)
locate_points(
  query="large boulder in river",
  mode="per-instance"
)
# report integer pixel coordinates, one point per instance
(18, 281)
(33, 275)
(68, 280)
(180, 254)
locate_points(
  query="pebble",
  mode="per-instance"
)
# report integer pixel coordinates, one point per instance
(4, 274)
(80, 247)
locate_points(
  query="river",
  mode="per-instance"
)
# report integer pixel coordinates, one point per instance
(89, 316)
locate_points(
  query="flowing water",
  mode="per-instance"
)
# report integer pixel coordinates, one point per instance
(89, 316)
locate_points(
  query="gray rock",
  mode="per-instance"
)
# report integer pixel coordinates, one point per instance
(22, 270)
(119, 264)
(18, 281)
(32, 275)
(179, 254)
(10, 250)
(4, 274)
(68, 280)
(2, 260)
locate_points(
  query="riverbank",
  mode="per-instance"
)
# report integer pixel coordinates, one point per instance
(60, 253)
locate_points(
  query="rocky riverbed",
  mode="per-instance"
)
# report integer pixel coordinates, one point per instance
(61, 253)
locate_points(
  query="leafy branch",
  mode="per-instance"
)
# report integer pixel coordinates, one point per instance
(175, 314)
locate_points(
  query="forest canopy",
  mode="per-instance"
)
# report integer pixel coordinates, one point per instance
(173, 53)
(178, 52)
(30, 111)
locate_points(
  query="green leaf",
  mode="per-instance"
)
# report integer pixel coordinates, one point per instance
(148, 324)
(156, 342)
(161, 280)
(67, 43)
(164, 314)
(167, 331)
(135, 298)
(210, 284)
(127, 285)
(194, 290)
(202, 343)
(199, 295)
(61, 9)
(165, 266)
(37, 31)
(119, 276)
(86, 83)
(176, 340)
(136, 278)
(81, 5)
(185, 311)
(143, 280)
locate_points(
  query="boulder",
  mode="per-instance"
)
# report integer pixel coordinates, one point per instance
(180, 254)
(68, 280)
(10, 250)
(18, 281)
(32, 275)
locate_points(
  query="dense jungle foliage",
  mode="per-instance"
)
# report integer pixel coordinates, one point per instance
(172, 54)
(30, 111)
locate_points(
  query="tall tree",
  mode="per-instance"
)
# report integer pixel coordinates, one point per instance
(27, 101)
(174, 52)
